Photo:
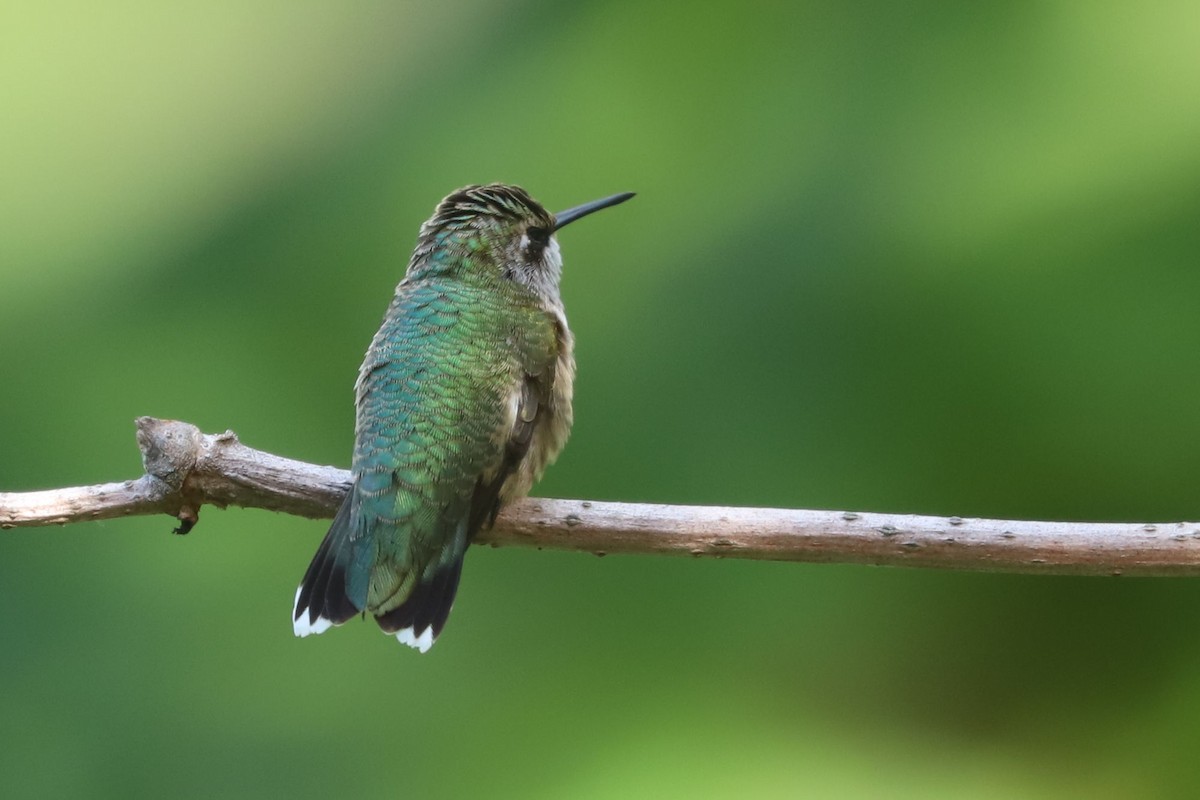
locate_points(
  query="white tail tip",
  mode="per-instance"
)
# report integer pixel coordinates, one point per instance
(422, 642)
(301, 624)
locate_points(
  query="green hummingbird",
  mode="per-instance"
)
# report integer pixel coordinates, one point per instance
(463, 399)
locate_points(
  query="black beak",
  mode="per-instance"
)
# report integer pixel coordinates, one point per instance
(562, 218)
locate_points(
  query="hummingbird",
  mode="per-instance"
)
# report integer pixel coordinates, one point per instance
(462, 400)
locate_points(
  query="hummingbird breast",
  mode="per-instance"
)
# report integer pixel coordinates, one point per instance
(551, 425)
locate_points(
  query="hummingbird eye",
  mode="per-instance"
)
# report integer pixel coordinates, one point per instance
(538, 236)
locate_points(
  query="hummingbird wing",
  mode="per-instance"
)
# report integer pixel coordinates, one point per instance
(448, 400)
(420, 616)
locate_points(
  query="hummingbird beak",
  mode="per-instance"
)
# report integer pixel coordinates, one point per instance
(562, 218)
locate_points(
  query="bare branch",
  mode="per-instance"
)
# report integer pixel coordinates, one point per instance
(186, 469)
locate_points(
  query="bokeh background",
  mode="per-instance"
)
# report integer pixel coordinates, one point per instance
(921, 257)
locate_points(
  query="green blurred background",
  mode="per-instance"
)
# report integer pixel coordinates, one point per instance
(923, 257)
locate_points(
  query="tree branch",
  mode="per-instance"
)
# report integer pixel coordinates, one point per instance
(186, 469)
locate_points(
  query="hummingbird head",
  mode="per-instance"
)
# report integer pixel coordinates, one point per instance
(500, 231)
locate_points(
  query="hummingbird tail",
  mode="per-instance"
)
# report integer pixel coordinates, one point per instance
(321, 599)
(420, 618)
